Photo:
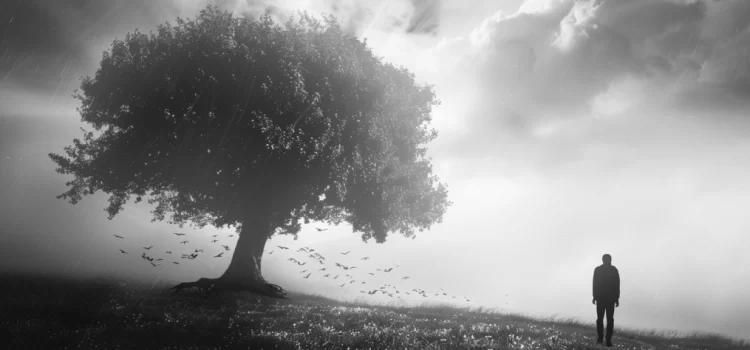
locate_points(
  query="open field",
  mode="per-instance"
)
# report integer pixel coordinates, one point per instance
(42, 312)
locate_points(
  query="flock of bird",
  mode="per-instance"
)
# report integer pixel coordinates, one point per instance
(189, 255)
(327, 272)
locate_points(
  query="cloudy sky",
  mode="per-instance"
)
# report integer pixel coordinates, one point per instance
(568, 129)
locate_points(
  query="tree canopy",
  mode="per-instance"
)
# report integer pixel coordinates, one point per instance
(219, 117)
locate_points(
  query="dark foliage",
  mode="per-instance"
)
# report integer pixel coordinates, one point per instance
(218, 117)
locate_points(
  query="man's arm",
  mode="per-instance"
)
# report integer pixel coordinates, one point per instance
(595, 283)
(617, 285)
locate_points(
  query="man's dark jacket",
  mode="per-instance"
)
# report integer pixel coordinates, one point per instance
(606, 283)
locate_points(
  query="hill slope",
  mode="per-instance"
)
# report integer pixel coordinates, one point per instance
(52, 312)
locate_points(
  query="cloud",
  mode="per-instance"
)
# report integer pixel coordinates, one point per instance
(548, 78)
(425, 18)
(48, 44)
(355, 17)
(563, 55)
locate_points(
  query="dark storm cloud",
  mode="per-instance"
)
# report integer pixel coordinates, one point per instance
(47, 44)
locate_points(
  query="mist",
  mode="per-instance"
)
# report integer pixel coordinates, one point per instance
(567, 130)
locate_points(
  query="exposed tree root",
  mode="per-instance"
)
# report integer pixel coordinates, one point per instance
(215, 285)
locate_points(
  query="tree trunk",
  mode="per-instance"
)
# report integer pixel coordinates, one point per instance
(244, 271)
(246, 259)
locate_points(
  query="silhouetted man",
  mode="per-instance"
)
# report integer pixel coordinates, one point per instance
(606, 297)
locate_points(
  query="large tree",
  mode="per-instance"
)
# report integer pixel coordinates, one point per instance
(236, 122)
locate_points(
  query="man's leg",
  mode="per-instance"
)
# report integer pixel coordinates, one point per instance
(610, 322)
(599, 321)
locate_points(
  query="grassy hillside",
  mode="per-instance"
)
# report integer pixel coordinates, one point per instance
(42, 312)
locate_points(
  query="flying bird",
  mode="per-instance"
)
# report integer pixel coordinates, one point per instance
(303, 271)
(308, 275)
(219, 255)
(147, 248)
(323, 269)
(371, 273)
(184, 242)
(326, 275)
(388, 269)
(179, 234)
(159, 259)
(120, 237)
(282, 248)
(122, 251)
(199, 250)
(346, 253)
(214, 241)
(405, 278)
(271, 252)
(214, 236)
(155, 265)
(176, 263)
(231, 236)
(342, 286)
(226, 247)
(366, 258)
(345, 267)
(168, 252)
(321, 229)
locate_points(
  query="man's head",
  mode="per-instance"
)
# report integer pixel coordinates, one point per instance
(607, 259)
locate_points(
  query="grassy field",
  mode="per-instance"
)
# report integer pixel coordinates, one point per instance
(56, 313)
